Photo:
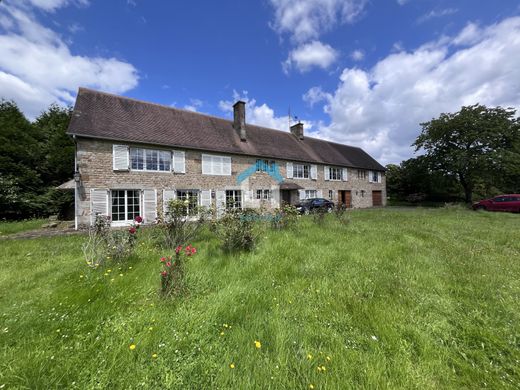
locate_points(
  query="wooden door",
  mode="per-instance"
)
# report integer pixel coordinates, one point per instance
(345, 197)
(377, 198)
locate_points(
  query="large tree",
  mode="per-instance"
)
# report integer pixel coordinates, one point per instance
(473, 145)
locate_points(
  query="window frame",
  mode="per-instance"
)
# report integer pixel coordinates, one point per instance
(310, 191)
(301, 169)
(263, 194)
(192, 194)
(126, 212)
(212, 158)
(161, 154)
(233, 194)
(338, 173)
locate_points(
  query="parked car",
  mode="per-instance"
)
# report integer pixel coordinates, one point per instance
(509, 202)
(308, 205)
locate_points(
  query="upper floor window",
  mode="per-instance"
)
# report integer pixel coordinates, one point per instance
(362, 174)
(301, 171)
(335, 173)
(216, 165)
(264, 165)
(150, 160)
(375, 177)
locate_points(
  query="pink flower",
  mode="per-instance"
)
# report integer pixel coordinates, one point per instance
(138, 219)
(193, 250)
(168, 264)
(163, 259)
(132, 230)
(164, 273)
(178, 249)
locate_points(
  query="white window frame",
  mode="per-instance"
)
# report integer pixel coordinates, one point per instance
(310, 192)
(179, 196)
(362, 174)
(299, 171)
(144, 151)
(210, 162)
(234, 194)
(263, 194)
(126, 221)
(335, 174)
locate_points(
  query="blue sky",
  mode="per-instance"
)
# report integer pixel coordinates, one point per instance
(359, 72)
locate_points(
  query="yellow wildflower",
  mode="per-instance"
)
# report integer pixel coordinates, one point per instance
(106, 274)
(81, 276)
(129, 267)
(222, 333)
(311, 386)
(258, 344)
(225, 325)
(309, 356)
(231, 366)
(150, 328)
(328, 358)
(132, 347)
(120, 274)
(319, 368)
(109, 270)
(154, 356)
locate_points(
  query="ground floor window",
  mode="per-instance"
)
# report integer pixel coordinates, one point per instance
(331, 194)
(263, 194)
(310, 194)
(192, 196)
(126, 205)
(233, 199)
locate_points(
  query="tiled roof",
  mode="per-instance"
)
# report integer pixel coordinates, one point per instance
(106, 116)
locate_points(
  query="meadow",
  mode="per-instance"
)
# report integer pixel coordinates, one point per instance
(396, 298)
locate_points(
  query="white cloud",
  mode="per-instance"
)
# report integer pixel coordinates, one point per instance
(315, 95)
(437, 14)
(357, 55)
(37, 67)
(304, 20)
(261, 115)
(380, 109)
(310, 55)
(195, 105)
(53, 5)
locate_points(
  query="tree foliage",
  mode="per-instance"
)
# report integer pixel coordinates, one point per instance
(34, 158)
(477, 146)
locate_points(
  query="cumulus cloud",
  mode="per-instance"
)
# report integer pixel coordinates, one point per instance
(380, 109)
(357, 55)
(195, 105)
(307, 19)
(310, 55)
(37, 67)
(261, 115)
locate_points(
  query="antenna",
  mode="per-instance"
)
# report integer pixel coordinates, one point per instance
(289, 116)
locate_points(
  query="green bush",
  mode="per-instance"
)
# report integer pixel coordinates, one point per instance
(285, 217)
(238, 229)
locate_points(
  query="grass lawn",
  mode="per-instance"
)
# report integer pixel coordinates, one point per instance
(7, 228)
(416, 298)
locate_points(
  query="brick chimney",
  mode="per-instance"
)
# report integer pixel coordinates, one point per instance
(297, 130)
(239, 119)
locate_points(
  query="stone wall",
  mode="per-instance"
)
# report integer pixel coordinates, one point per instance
(94, 159)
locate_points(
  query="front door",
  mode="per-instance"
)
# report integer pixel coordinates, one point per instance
(377, 198)
(286, 196)
(345, 197)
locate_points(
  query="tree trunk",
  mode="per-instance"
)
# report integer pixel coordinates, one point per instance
(468, 189)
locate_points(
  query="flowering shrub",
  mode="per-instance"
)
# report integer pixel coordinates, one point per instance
(172, 274)
(181, 223)
(105, 244)
(287, 217)
(237, 229)
(340, 212)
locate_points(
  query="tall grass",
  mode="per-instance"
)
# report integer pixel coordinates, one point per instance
(394, 299)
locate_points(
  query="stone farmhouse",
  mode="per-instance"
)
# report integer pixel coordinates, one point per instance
(133, 156)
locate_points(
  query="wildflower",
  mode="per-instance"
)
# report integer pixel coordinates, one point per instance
(132, 347)
(163, 259)
(154, 356)
(120, 274)
(132, 230)
(164, 273)
(81, 276)
(374, 338)
(222, 333)
(309, 356)
(109, 270)
(231, 366)
(138, 219)
(328, 358)
(178, 249)
(311, 386)
(106, 274)
(150, 328)
(225, 325)
(168, 264)
(258, 344)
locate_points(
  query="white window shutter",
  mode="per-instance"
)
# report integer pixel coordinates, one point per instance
(326, 172)
(221, 202)
(226, 166)
(319, 194)
(179, 161)
(149, 206)
(302, 194)
(289, 168)
(275, 197)
(120, 157)
(206, 164)
(370, 176)
(167, 196)
(314, 172)
(344, 174)
(98, 203)
(379, 177)
(205, 198)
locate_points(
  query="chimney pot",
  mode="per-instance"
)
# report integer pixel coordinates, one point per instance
(239, 119)
(297, 130)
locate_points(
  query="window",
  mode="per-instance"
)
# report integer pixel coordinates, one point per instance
(331, 194)
(192, 196)
(301, 171)
(125, 205)
(375, 177)
(150, 160)
(233, 199)
(263, 194)
(216, 165)
(264, 165)
(334, 173)
(361, 174)
(310, 194)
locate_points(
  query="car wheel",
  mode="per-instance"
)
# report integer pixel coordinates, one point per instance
(480, 207)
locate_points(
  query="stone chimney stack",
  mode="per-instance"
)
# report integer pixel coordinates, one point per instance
(239, 119)
(297, 130)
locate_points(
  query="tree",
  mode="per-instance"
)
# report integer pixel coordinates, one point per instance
(473, 145)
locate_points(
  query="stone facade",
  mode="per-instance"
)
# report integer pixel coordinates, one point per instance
(95, 165)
